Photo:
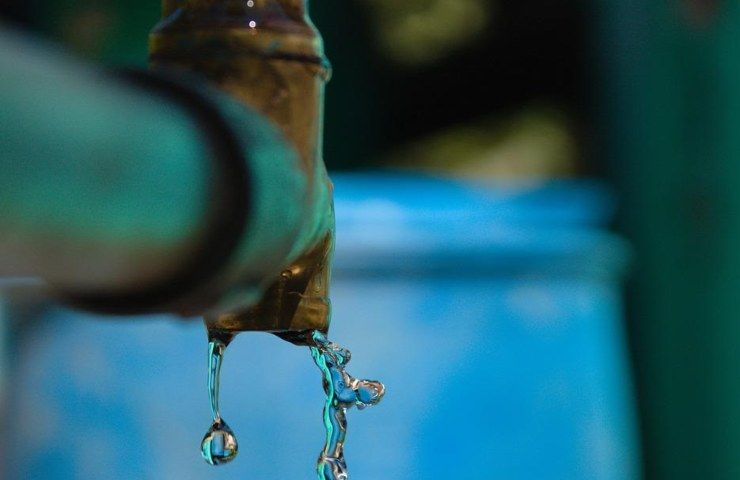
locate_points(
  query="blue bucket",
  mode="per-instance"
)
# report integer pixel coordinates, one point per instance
(493, 314)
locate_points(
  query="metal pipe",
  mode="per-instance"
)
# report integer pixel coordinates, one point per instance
(268, 55)
(101, 185)
(156, 197)
(171, 198)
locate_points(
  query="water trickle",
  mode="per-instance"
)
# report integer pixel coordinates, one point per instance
(219, 444)
(342, 392)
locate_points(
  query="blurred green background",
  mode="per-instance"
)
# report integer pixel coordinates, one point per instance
(642, 93)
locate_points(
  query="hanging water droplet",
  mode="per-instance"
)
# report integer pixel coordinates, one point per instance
(219, 444)
(343, 392)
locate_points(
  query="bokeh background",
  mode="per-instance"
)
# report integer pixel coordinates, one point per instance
(538, 226)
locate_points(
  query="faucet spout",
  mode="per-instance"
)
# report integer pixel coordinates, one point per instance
(266, 54)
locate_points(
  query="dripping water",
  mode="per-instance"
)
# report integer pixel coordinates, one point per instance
(219, 444)
(342, 393)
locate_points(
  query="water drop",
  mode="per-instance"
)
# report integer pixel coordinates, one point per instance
(343, 392)
(219, 444)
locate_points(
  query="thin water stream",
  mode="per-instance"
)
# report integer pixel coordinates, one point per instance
(219, 444)
(343, 392)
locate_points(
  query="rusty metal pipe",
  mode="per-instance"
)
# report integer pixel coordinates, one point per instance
(156, 196)
(268, 55)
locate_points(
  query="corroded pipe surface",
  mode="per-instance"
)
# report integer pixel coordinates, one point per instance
(267, 54)
(150, 194)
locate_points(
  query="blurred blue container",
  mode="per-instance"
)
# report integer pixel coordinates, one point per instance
(492, 313)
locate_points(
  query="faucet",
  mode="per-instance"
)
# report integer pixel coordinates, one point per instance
(217, 178)
(266, 54)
